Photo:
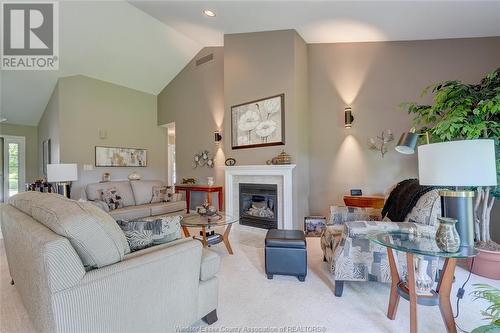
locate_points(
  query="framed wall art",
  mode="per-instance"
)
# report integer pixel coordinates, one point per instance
(258, 123)
(46, 158)
(120, 157)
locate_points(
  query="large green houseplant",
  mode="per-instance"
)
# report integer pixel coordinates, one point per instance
(463, 111)
(492, 312)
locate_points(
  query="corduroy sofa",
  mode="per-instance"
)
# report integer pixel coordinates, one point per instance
(72, 266)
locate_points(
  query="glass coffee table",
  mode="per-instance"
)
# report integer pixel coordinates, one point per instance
(425, 245)
(208, 236)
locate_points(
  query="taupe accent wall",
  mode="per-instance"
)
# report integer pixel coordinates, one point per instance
(318, 80)
(374, 78)
(194, 100)
(263, 64)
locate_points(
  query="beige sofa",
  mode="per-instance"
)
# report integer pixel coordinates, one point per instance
(136, 195)
(74, 271)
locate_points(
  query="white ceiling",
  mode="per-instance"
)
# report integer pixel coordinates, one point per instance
(111, 41)
(116, 42)
(330, 21)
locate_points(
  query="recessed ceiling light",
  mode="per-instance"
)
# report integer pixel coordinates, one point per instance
(209, 13)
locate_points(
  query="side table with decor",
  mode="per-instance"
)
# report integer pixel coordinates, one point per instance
(364, 201)
(421, 244)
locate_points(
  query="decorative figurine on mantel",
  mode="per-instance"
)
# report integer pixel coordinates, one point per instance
(282, 158)
(380, 142)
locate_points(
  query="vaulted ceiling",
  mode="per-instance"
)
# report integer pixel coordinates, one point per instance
(108, 40)
(144, 44)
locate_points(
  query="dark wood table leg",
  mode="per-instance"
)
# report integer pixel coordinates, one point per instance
(219, 198)
(413, 294)
(186, 232)
(444, 291)
(188, 200)
(394, 298)
(225, 238)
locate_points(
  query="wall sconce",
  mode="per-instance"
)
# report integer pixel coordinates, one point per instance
(380, 143)
(217, 137)
(348, 117)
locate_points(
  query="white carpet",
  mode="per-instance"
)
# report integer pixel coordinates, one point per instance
(248, 300)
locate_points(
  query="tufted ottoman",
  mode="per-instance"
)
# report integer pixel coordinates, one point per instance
(286, 253)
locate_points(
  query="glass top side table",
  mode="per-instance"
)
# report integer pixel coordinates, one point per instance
(413, 244)
(209, 237)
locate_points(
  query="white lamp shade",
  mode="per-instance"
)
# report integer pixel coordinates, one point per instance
(62, 172)
(458, 163)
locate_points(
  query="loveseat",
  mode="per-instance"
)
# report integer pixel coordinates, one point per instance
(136, 198)
(73, 269)
(351, 256)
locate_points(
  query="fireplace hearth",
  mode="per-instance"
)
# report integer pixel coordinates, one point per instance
(259, 205)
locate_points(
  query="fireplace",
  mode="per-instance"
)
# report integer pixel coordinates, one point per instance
(259, 205)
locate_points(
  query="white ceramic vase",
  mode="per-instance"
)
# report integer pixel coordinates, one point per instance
(423, 282)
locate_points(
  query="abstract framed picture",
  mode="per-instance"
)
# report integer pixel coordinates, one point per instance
(120, 157)
(258, 123)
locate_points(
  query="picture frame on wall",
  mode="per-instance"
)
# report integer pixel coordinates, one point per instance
(258, 123)
(46, 158)
(120, 157)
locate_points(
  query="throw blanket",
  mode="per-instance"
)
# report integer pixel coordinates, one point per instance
(403, 198)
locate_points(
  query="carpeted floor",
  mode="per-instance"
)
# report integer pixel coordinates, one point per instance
(247, 299)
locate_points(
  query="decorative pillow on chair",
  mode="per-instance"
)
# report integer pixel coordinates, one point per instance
(112, 198)
(143, 234)
(160, 194)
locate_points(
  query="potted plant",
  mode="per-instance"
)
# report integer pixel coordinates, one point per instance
(463, 111)
(492, 312)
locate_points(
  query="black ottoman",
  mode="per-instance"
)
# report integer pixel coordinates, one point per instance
(286, 253)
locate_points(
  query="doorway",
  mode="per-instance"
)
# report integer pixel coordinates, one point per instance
(171, 172)
(12, 166)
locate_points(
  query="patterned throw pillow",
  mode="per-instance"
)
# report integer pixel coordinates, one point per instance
(160, 194)
(112, 198)
(143, 234)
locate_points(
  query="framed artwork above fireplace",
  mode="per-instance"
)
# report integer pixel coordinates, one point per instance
(258, 123)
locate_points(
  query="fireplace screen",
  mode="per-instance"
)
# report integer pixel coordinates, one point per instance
(259, 205)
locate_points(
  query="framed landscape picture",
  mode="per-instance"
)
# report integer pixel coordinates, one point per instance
(258, 123)
(120, 157)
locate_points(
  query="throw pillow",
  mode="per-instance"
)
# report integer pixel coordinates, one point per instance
(160, 194)
(112, 198)
(143, 234)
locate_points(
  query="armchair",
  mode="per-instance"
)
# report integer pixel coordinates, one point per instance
(351, 256)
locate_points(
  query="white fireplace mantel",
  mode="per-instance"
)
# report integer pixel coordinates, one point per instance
(285, 172)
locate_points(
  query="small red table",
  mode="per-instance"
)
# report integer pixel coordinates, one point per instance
(201, 188)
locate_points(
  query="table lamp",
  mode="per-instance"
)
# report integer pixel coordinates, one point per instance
(62, 175)
(456, 164)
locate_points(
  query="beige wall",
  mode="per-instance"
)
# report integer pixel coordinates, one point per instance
(30, 133)
(194, 100)
(80, 106)
(374, 78)
(262, 64)
(48, 128)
